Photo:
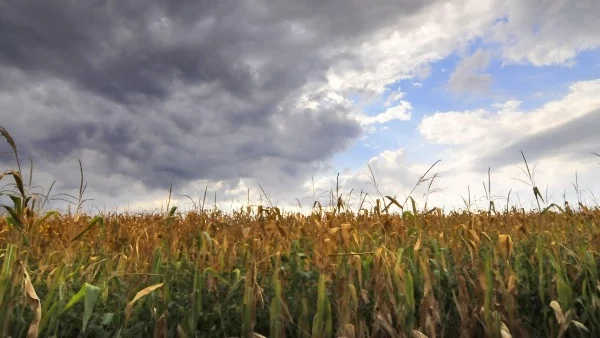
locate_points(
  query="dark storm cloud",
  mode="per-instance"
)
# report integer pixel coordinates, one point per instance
(575, 139)
(164, 91)
(121, 49)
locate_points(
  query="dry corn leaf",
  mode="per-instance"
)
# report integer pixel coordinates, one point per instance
(381, 321)
(364, 295)
(346, 234)
(429, 313)
(580, 326)
(349, 331)
(557, 311)
(246, 232)
(356, 238)
(417, 246)
(181, 332)
(353, 296)
(140, 294)
(160, 330)
(504, 331)
(505, 245)
(418, 334)
(522, 229)
(512, 283)
(462, 301)
(36, 306)
(474, 237)
(256, 335)
(562, 319)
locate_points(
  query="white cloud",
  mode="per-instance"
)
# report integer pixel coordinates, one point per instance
(455, 127)
(483, 129)
(508, 105)
(471, 136)
(405, 50)
(394, 97)
(552, 135)
(400, 112)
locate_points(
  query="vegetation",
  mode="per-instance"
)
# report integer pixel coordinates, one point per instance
(390, 271)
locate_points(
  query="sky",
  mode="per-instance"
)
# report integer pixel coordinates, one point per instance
(280, 102)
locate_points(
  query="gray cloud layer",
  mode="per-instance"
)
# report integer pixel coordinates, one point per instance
(468, 74)
(177, 91)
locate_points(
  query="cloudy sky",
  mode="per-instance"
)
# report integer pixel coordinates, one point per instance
(287, 94)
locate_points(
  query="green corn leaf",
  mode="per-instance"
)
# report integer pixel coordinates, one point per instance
(550, 207)
(17, 204)
(107, 318)
(14, 218)
(565, 293)
(46, 216)
(328, 319)
(89, 293)
(96, 220)
(318, 324)
(7, 270)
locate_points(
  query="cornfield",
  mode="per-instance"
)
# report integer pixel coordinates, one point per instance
(390, 271)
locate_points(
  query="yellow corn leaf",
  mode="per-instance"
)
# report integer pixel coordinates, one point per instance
(474, 237)
(355, 237)
(181, 332)
(417, 246)
(504, 331)
(484, 234)
(580, 326)
(256, 335)
(418, 334)
(328, 246)
(562, 319)
(353, 296)
(36, 306)
(522, 229)
(557, 311)
(140, 294)
(512, 284)
(349, 331)
(505, 245)
(429, 313)
(346, 234)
